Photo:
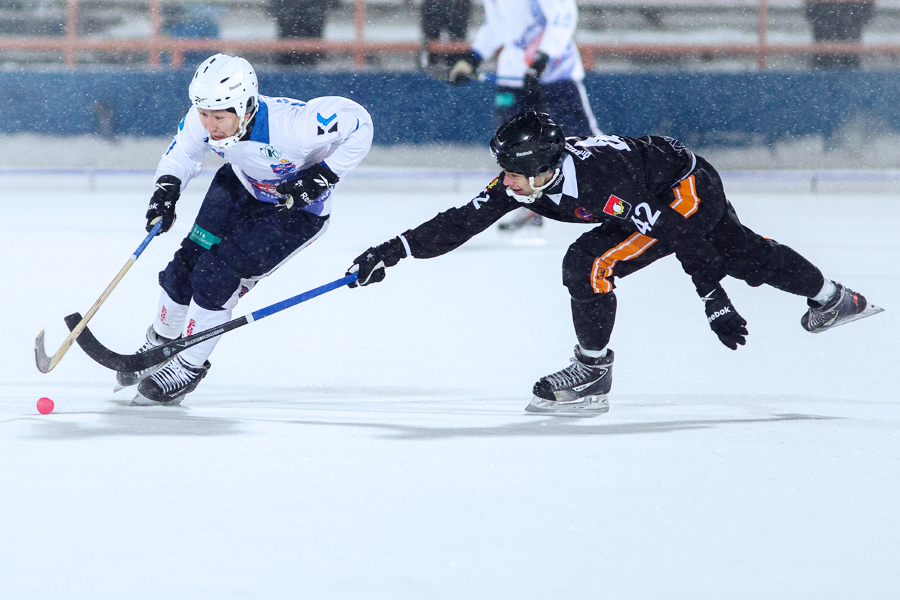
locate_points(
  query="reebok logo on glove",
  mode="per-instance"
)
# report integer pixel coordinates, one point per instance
(310, 187)
(723, 319)
(719, 313)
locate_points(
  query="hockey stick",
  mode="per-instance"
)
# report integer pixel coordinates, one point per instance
(154, 356)
(46, 363)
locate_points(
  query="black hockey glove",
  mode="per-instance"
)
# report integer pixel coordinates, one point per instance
(307, 188)
(162, 204)
(370, 264)
(723, 319)
(533, 73)
(464, 69)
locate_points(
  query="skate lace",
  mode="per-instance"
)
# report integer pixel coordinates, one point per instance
(175, 375)
(151, 342)
(572, 375)
(819, 317)
(824, 315)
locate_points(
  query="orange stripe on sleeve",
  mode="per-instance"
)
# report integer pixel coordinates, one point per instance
(686, 200)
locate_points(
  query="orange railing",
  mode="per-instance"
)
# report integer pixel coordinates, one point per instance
(156, 45)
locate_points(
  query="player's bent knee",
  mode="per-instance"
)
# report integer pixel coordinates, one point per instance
(214, 283)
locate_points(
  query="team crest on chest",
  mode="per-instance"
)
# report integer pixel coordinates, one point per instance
(270, 152)
(617, 207)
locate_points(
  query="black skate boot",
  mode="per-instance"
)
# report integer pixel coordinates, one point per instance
(843, 307)
(171, 384)
(126, 379)
(582, 388)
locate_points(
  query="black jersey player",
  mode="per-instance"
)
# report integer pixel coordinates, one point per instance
(643, 198)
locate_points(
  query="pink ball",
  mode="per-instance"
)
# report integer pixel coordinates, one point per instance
(45, 406)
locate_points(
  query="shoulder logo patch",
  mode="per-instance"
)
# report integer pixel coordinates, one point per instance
(583, 213)
(325, 122)
(617, 207)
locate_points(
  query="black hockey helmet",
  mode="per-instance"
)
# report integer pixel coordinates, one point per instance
(531, 143)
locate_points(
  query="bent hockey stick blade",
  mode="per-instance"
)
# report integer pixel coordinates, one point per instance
(46, 363)
(143, 360)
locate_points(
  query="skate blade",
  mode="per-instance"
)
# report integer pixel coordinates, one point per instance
(589, 406)
(141, 400)
(870, 310)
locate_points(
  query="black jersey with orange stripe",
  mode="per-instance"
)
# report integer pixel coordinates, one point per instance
(623, 184)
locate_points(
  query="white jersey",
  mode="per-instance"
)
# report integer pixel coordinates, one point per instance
(287, 137)
(524, 27)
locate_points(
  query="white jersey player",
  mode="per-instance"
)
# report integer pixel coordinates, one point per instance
(288, 136)
(539, 66)
(273, 198)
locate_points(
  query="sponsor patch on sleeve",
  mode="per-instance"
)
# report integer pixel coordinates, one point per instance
(617, 207)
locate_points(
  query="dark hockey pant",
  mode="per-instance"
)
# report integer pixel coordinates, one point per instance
(235, 237)
(598, 257)
(565, 101)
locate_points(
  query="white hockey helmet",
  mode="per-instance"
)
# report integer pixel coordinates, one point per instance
(225, 82)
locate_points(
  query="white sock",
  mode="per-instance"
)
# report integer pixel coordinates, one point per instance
(827, 291)
(169, 317)
(593, 353)
(200, 319)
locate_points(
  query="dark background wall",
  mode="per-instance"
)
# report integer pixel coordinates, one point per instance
(410, 108)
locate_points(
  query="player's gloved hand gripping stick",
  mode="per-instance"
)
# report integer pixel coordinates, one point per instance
(46, 363)
(308, 188)
(154, 356)
(370, 265)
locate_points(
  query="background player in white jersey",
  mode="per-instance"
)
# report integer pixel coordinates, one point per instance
(539, 68)
(272, 199)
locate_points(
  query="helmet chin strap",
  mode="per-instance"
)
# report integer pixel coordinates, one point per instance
(536, 191)
(231, 141)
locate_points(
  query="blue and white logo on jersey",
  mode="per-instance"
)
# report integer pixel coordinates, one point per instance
(325, 122)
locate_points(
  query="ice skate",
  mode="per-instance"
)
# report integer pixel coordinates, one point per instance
(517, 222)
(844, 306)
(169, 385)
(582, 388)
(126, 379)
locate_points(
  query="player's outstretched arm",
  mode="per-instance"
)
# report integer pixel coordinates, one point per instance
(723, 319)
(370, 265)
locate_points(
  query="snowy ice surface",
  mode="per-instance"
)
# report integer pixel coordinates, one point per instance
(372, 443)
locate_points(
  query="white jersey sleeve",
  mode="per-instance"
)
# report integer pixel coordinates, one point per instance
(492, 35)
(352, 124)
(185, 155)
(525, 27)
(561, 18)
